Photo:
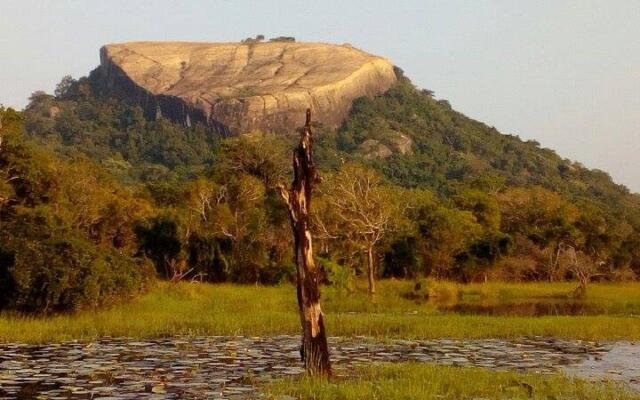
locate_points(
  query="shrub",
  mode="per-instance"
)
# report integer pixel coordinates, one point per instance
(336, 274)
(207, 258)
(57, 269)
(402, 259)
(160, 241)
(432, 289)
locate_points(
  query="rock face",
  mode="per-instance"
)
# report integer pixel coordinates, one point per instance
(394, 142)
(240, 87)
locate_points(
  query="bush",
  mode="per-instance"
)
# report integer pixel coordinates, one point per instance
(45, 267)
(431, 289)
(160, 241)
(402, 259)
(274, 272)
(207, 258)
(57, 275)
(336, 274)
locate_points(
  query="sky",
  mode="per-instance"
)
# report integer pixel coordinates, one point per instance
(564, 73)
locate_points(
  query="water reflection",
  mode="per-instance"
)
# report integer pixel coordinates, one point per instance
(527, 309)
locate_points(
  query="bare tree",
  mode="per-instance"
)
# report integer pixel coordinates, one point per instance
(314, 351)
(367, 210)
(200, 198)
(238, 214)
(553, 264)
(583, 267)
(176, 268)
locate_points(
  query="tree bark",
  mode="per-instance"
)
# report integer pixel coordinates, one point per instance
(314, 351)
(371, 271)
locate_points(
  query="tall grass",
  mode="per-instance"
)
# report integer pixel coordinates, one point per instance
(424, 382)
(226, 309)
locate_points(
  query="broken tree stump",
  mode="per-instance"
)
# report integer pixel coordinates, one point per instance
(314, 351)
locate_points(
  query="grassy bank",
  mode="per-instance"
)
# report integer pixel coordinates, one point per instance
(423, 381)
(225, 309)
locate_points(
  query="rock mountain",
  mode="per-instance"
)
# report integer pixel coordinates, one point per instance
(240, 87)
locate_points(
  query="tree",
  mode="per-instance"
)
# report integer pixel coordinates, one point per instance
(257, 39)
(64, 86)
(315, 350)
(444, 234)
(5, 189)
(1, 132)
(544, 218)
(483, 206)
(201, 196)
(261, 155)
(238, 216)
(366, 210)
(161, 241)
(583, 267)
(66, 228)
(9, 123)
(283, 39)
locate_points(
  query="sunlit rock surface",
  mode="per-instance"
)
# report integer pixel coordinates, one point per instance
(240, 87)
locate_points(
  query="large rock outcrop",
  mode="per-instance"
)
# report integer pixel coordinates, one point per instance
(240, 87)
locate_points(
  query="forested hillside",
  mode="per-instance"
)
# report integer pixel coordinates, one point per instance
(410, 188)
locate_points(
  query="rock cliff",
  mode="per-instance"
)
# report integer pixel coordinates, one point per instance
(240, 87)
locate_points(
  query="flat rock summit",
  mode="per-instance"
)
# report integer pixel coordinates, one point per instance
(241, 87)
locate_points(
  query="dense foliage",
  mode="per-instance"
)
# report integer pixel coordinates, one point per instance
(410, 185)
(66, 228)
(133, 148)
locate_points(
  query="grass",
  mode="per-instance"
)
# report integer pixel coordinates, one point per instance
(425, 381)
(226, 309)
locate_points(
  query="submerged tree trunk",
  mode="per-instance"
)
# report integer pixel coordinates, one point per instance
(371, 271)
(314, 351)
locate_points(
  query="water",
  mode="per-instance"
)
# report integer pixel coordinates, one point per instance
(234, 367)
(527, 309)
(621, 363)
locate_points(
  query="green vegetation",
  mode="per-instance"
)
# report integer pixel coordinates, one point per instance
(119, 136)
(283, 39)
(66, 229)
(419, 381)
(505, 208)
(225, 309)
(93, 192)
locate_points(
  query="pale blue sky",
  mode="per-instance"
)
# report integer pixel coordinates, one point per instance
(565, 73)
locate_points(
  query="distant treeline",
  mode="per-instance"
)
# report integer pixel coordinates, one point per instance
(94, 197)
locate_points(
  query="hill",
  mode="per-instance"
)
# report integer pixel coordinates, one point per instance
(457, 199)
(449, 149)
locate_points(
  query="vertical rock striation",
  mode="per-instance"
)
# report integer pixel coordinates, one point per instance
(240, 87)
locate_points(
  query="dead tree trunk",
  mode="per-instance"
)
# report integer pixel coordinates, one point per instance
(314, 351)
